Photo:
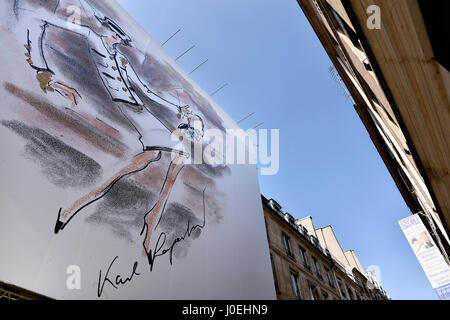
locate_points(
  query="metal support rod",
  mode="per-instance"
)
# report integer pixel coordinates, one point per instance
(245, 118)
(185, 52)
(258, 125)
(171, 37)
(198, 66)
(218, 89)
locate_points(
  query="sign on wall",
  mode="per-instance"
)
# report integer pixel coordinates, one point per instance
(109, 186)
(429, 256)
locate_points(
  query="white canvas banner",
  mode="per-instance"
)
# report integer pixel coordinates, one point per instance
(106, 186)
(428, 254)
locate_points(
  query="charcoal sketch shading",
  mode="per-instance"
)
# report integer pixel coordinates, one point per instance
(62, 164)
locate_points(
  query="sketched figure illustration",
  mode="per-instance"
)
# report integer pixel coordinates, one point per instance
(122, 83)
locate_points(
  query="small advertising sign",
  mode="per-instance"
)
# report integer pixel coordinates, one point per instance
(428, 254)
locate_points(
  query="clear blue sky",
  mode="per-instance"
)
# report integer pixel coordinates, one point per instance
(329, 167)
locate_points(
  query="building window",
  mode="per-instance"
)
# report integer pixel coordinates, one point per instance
(343, 27)
(303, 257)
(275, 279)
(327, 272)
(367, 64)
(316, 268)
(267, 229)
(295, 288)
(350, 293)
(378, 102)
(365, 289)
(341, 288)
(313, 292)
(287, 245)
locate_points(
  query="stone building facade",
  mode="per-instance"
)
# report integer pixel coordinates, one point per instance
(309, 264)
(394, 60)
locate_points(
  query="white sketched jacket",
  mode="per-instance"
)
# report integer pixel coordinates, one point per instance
(114, 69)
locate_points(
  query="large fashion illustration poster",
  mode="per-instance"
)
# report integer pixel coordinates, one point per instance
(108, 184)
